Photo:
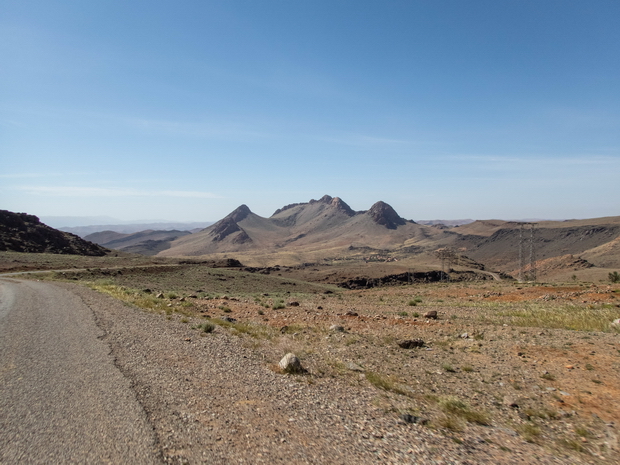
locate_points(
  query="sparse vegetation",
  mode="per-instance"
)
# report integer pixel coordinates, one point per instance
(448, 368)
(386, 383)
(501, 320)
(454, 406)
(529, 431)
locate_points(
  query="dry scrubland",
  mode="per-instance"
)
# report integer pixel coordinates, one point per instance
(516, 372)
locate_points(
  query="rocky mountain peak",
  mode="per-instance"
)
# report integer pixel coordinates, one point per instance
(339, 204)
(383, 214)
(240, 213)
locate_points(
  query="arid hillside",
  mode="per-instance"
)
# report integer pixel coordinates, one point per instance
(327, 229)
(147, 242)
(20, 232)
(325, 224)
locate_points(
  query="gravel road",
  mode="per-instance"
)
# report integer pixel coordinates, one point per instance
(208, 398)
(62, 400)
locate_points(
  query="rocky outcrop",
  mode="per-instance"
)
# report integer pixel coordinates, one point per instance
(383, 214)
(395, 280)
(240, 213)
(341, 206)
(227, 226)
(21, 232)
(224, 228)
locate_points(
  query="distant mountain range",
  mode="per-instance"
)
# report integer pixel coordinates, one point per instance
(130, 228)
(329, 229)
(325, 223)
(147, 242)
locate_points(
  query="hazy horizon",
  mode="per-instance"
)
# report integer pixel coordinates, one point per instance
(185, 111)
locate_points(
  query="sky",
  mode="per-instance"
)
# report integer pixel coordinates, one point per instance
(182, 111)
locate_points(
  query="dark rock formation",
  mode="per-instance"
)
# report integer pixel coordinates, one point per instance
(20, 232)
(383, 214)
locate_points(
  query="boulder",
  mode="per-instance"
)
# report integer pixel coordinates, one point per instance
(431, 315)
(290, 364)
(411, 343)
(511, 402)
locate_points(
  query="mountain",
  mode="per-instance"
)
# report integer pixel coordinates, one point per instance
(445, 222)
(329, 228)
(62, 222)
(496, 242)
(21, 232)
(130, 228)
(318, 224)
(147, 242)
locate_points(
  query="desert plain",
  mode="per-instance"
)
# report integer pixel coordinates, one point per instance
(470, 371)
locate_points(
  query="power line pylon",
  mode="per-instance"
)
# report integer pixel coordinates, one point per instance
(530, 275)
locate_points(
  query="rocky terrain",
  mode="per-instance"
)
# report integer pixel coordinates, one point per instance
(460, 372)
(20, 232)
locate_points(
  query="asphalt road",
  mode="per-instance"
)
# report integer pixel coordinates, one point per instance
(62, 400)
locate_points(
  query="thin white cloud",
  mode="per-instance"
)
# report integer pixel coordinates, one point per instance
(364, 141)
(72, 191)
(202, 129)
(584, 159)
(40, 175)
(22, 175)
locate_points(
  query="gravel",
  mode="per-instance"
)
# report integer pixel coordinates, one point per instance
(212, 398)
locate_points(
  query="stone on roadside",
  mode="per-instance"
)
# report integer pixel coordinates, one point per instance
(616, 323)
(290, 364)
(354, 367)
(160, 295)
(411, 343)
(337, 328)
(413, 419)
(431, 315)
(511, 402)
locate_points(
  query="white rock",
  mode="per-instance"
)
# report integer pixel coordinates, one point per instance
(290, 364)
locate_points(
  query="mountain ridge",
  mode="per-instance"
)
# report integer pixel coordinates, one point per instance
(327, 221)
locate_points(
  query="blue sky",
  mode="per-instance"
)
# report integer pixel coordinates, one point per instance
(185, 110)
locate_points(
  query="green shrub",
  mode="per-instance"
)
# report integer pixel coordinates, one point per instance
(454, 406)
(207, 327)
